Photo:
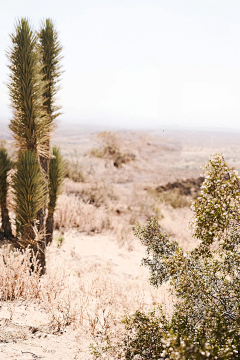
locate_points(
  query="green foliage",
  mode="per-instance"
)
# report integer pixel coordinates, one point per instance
(29, 125)
(5, 166)
(218, 206)
(144, 332)
(158, 250)
(50, 49)
(205, 323)
(29, 189)
(56, 177)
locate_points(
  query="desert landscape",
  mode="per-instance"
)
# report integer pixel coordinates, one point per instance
(94, 277)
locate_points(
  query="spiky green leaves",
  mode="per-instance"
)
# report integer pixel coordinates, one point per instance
(5, 167)
(29, 188)
(51, 69)
(30, 125)
(56, 177)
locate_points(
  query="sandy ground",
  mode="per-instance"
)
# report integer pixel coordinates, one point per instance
(25, 331)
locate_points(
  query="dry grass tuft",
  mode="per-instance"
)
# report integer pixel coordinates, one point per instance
(72, 212)
(89, 298)
(17, 279)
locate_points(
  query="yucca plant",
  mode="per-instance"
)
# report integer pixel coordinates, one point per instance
(50, 49)
(5, 167)
(56, 177)
(30, 125)
(29, 191)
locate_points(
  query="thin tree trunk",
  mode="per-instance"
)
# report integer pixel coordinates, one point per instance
(49, 228)
(39, 248)
(42, 214)
(41, 255)
(42, 217)
(6, 225)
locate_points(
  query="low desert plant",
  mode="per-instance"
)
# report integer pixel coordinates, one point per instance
(72, 212)
(73, 167)
(174, 199)
(19, 279)
(59, 240)
(206, 319)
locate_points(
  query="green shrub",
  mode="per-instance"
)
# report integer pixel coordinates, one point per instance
(206, 280)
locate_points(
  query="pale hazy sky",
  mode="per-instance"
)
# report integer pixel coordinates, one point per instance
(139, 63)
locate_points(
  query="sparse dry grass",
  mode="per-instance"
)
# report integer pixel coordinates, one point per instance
(72, 212)
(88, 298)
(16, 279)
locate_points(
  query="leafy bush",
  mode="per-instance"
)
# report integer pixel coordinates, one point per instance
(205, 323)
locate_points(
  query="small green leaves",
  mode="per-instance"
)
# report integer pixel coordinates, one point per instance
(159, 249)
(206, 281)
(218, 205)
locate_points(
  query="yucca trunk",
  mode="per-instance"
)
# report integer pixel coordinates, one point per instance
(56, 177)
(50, 58)
(6, 225)
(49, 228)
(5, 167)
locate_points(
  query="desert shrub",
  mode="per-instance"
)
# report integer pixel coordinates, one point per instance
(206, 280)
(110, 149)
(59, 240)
(18, 278)
(144, 331)
(72, 212)
(73, 168)
(174, 199)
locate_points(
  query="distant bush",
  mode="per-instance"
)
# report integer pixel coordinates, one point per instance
(174, 199)
(110, 149)
(179, 194)
(73, 168)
